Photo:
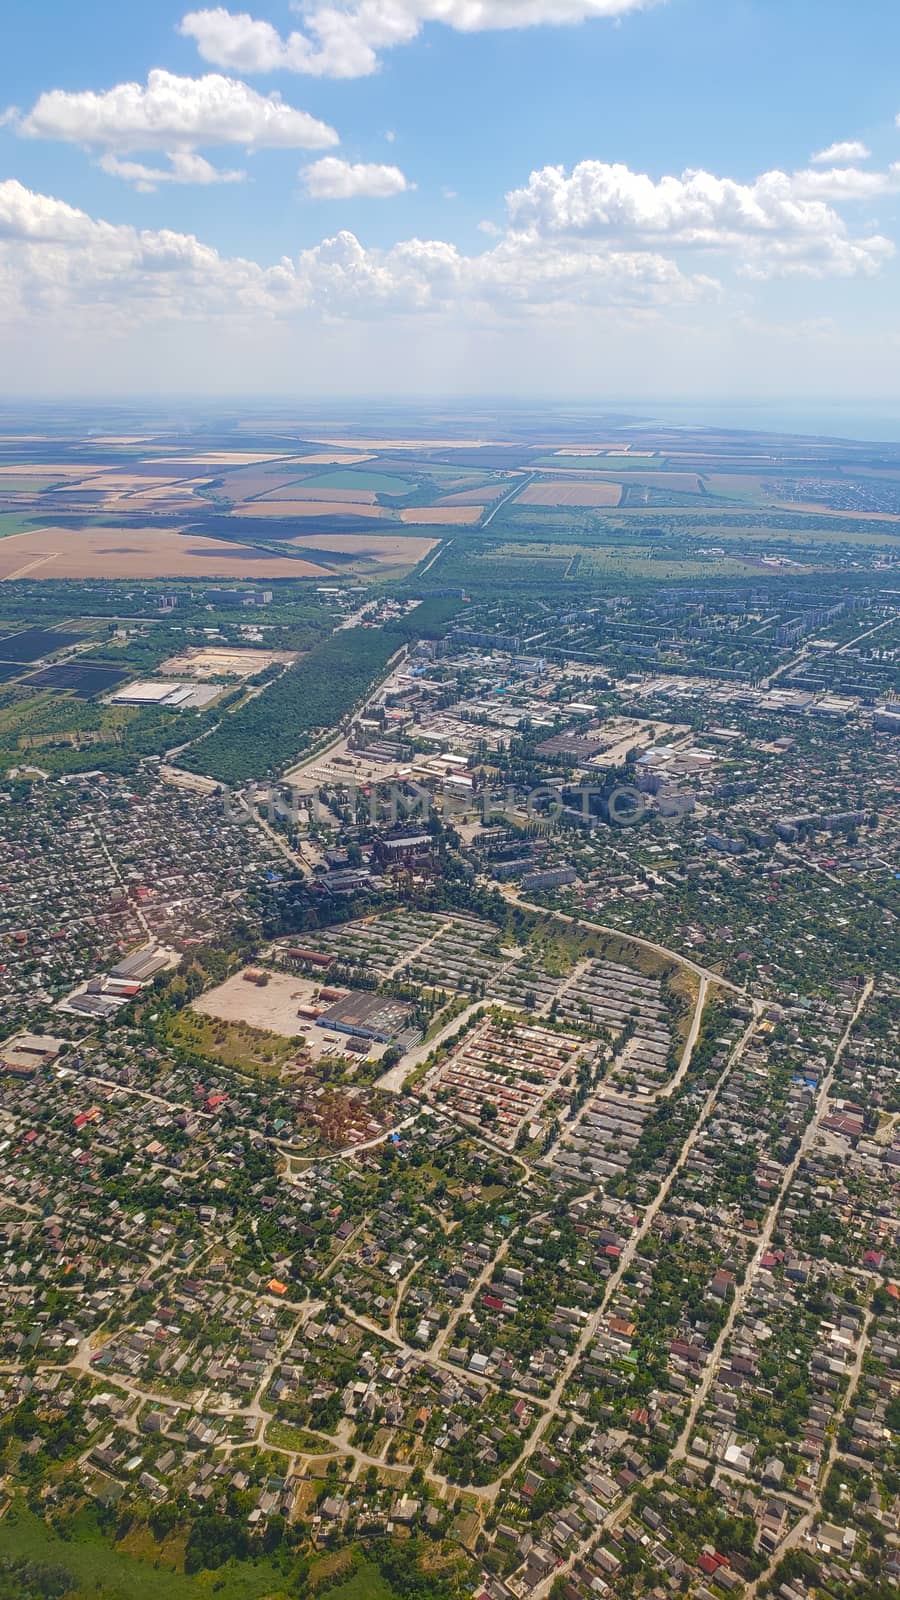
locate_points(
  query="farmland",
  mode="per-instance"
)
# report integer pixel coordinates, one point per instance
(308, 491)
(570, 494)
(386, 550)
(309, 508)
(447, 516)
(361, 482)
(139, 553)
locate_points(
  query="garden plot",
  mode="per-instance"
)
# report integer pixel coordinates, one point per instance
(502, 1074)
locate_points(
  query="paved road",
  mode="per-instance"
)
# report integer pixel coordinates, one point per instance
(699, 1006)
(395, 1077)
(516, 489)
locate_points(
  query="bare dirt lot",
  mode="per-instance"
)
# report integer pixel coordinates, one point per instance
(139, 553)
(426, 516)
(213, 663)
(273, 1007)
(571, 494)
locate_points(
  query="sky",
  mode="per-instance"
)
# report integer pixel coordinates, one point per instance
(604, 199)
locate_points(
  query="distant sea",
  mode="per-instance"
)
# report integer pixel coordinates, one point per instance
(878, 421)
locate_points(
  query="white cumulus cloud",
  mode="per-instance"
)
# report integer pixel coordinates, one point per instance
(55, 258)
(844, 150)
(779, 224)
(173, 113)
(845, 183)
(334, 179)
(344, 41)
(185, 166)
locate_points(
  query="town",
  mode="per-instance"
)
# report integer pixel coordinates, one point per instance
(449, 1115)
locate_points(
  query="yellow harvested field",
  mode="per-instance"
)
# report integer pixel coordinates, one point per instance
(166, 489)
(307, 508)
(333, 458)
(296, 491)
(139, 553)
(570, 494)
(132, 479)
(449, 516)
(389, 548)
(224, 458)
(821, 509)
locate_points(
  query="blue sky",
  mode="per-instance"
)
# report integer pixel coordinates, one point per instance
(501, 200)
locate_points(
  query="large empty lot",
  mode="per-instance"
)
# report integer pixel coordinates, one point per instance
(139, 553)
(272, 1007)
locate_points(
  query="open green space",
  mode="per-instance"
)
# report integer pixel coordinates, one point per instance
(366, 1583)
(235, 1044)
(102, 1572)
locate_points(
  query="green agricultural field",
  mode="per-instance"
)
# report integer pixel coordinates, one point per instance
(14, 522)
(350, 478)
(618, 561)
(30, 722)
